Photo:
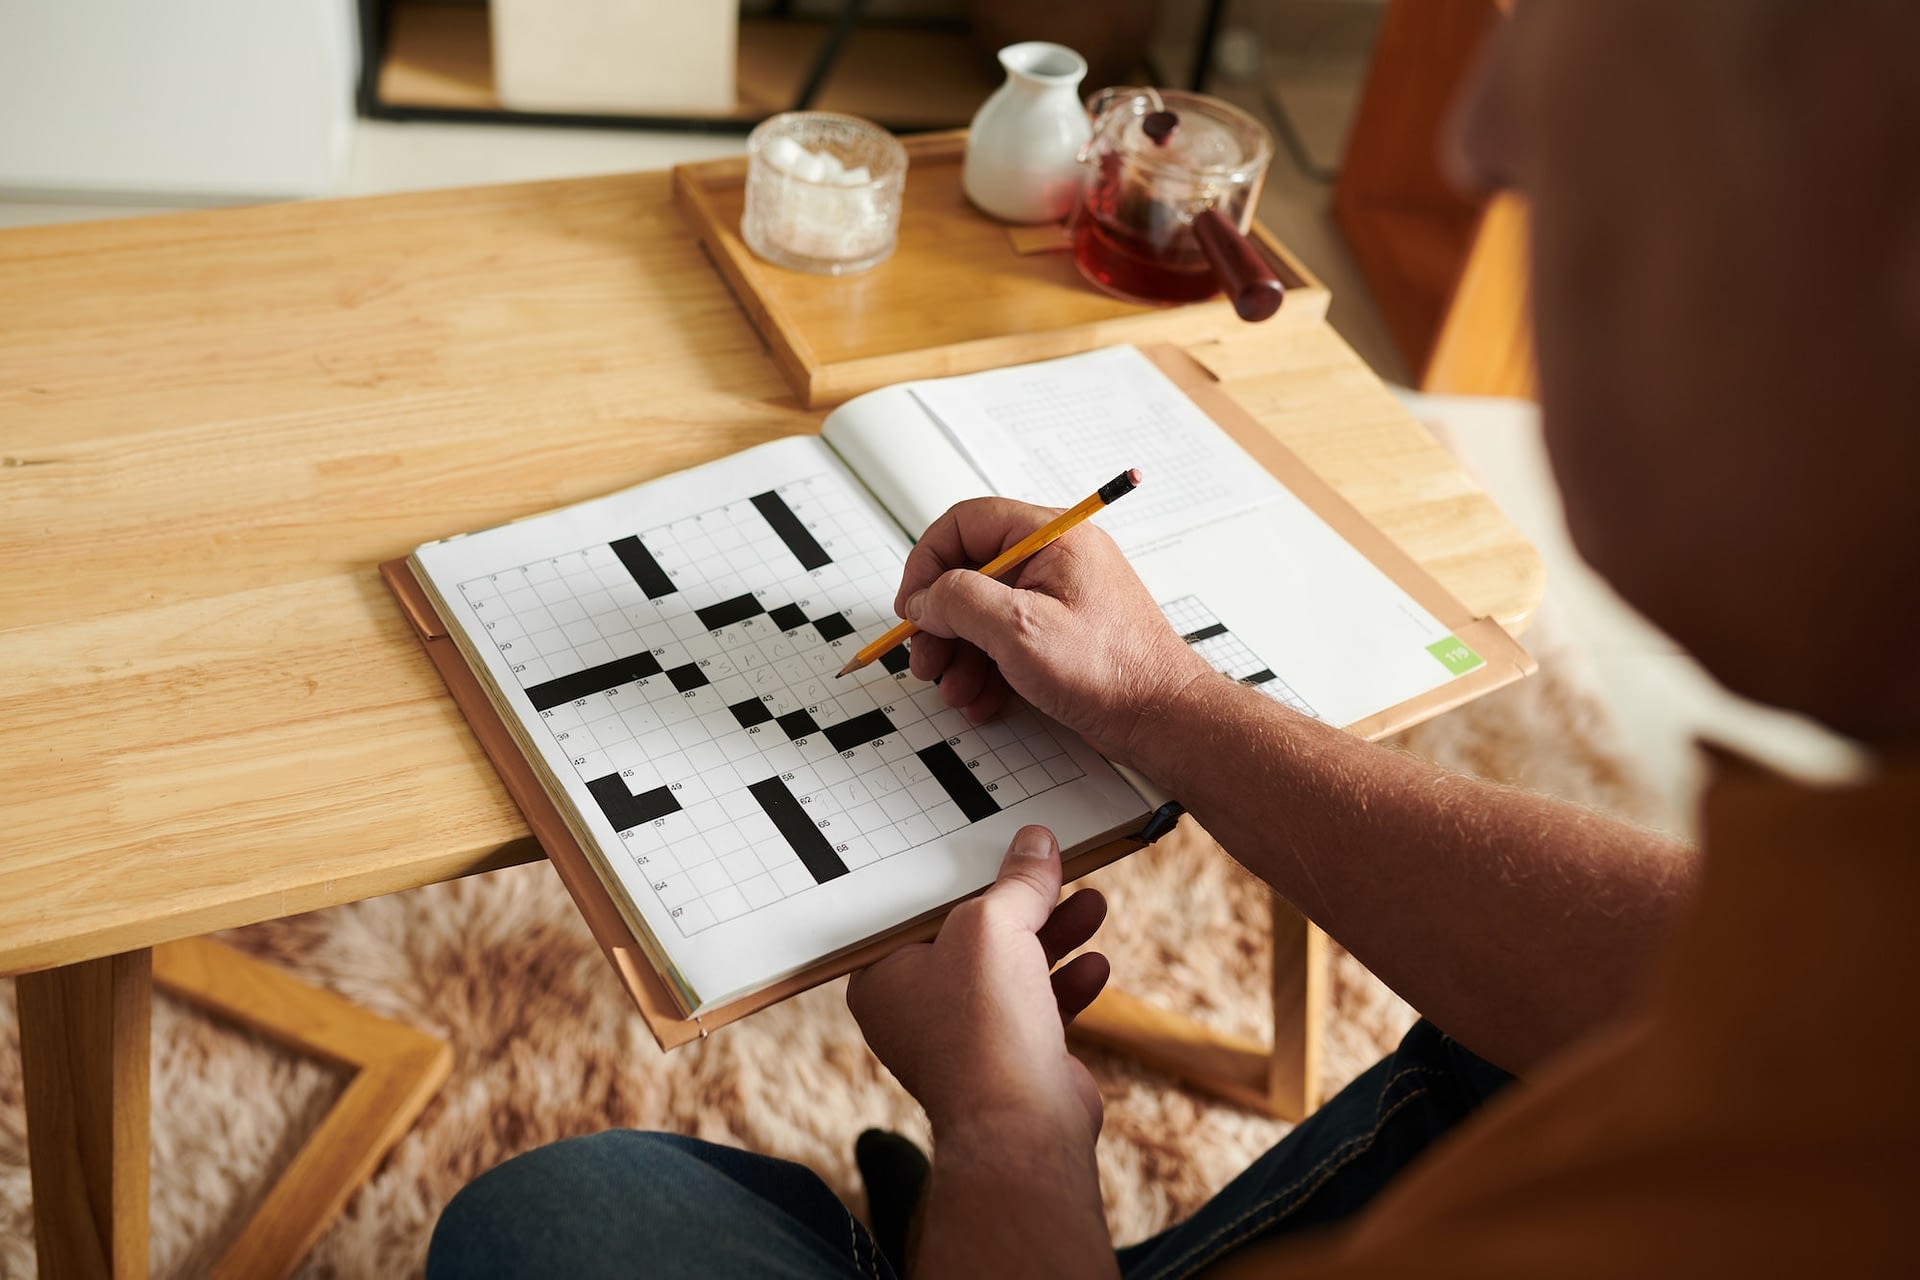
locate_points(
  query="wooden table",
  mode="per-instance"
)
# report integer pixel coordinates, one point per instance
(216, 423)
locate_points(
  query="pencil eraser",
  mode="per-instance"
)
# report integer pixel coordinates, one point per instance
(1120, 484)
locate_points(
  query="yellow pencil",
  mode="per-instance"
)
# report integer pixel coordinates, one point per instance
(1011, 557)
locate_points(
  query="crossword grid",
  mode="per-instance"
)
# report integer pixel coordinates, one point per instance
(1227, 653)
(687, 672)
(1069, 432)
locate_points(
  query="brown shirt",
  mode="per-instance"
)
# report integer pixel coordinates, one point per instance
(1758, 1114)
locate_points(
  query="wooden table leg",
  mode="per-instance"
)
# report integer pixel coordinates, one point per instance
(85, 1038)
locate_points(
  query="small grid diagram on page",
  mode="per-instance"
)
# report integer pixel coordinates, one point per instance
(1070, 433)
(1227, 653)
(687, 673)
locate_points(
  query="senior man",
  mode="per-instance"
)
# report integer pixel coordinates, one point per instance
(1635, 1058)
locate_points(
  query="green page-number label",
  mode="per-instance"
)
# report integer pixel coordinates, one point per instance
(1455, 657)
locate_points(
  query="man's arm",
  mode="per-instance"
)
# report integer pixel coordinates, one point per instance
(1008, 1202)
(1514, 922)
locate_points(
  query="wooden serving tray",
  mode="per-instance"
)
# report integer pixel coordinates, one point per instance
(961, 293)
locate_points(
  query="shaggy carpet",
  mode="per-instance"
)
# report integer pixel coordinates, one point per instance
(547, 1047)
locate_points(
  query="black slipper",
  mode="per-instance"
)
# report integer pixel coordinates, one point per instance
(895, 1174)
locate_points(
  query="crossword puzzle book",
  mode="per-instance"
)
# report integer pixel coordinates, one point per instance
(652, 671)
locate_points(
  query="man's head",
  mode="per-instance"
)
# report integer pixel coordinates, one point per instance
(1726, 275)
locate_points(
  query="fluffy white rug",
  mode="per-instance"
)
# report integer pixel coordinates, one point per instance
(546, 1046)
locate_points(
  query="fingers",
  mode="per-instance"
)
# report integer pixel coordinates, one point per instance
(988, 614)
(968, 534)
(965, 604)
(928, 655)
(979, 692)
(877, 982)
(1072, 923)
(1029, 880)
(966, 677)
(1003, 627)
(1077, 982)
(991, 699)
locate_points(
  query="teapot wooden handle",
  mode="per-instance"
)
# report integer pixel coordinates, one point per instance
(1243, 274)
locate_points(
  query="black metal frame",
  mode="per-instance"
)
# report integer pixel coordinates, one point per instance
(375, 16)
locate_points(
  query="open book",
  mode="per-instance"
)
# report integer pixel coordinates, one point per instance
(653, 671)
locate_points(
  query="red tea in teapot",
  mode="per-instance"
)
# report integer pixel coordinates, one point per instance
(1156, 161)
(1131, 246)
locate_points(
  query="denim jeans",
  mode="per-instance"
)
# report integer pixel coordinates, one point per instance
(625, 1203)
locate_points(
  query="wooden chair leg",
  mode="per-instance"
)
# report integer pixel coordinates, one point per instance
(1281, 1079)
(397, 1070)
(84, 1050)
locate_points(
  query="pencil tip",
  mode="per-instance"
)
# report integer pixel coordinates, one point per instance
(851, 666)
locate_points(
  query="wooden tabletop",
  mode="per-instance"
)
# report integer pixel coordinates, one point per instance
(213, 426)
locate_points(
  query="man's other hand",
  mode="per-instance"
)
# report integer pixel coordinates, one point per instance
(973, 1024)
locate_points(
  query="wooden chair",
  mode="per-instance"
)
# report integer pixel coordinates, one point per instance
(1447, 272)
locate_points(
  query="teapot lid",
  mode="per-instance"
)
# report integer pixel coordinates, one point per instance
(1173, 131)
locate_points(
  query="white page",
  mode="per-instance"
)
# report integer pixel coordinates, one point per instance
(903, 456)
(1054, 431)
(725, 890)
(1232, 556)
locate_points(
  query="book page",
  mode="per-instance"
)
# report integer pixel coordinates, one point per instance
(1248, 574)
(667, 657)
(911, 465)
(1054, 431)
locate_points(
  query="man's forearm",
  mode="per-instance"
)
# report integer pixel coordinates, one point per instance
(1515, 922)
(1013, 1203)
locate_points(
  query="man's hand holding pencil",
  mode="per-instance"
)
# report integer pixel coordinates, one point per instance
(1072, 630)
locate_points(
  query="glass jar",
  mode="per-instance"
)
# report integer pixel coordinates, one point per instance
(823, 192)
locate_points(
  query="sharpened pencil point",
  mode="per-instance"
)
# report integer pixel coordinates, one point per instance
(852, 666)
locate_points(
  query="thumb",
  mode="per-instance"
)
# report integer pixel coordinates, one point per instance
(1028, 885)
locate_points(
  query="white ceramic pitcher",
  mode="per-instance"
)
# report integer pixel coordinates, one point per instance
(1024, 144)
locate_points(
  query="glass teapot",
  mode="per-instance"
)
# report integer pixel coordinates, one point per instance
(1166, 195)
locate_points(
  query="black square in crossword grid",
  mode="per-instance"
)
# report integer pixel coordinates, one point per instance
(688, 678)
(788, 617)
(751, 712)
(833, 626)
(798, 724)
(728, 612)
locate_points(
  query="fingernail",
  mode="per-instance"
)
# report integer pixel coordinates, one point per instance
(915, 604)
(1030, 842)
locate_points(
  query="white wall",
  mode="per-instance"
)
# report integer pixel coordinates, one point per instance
(196, 98)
